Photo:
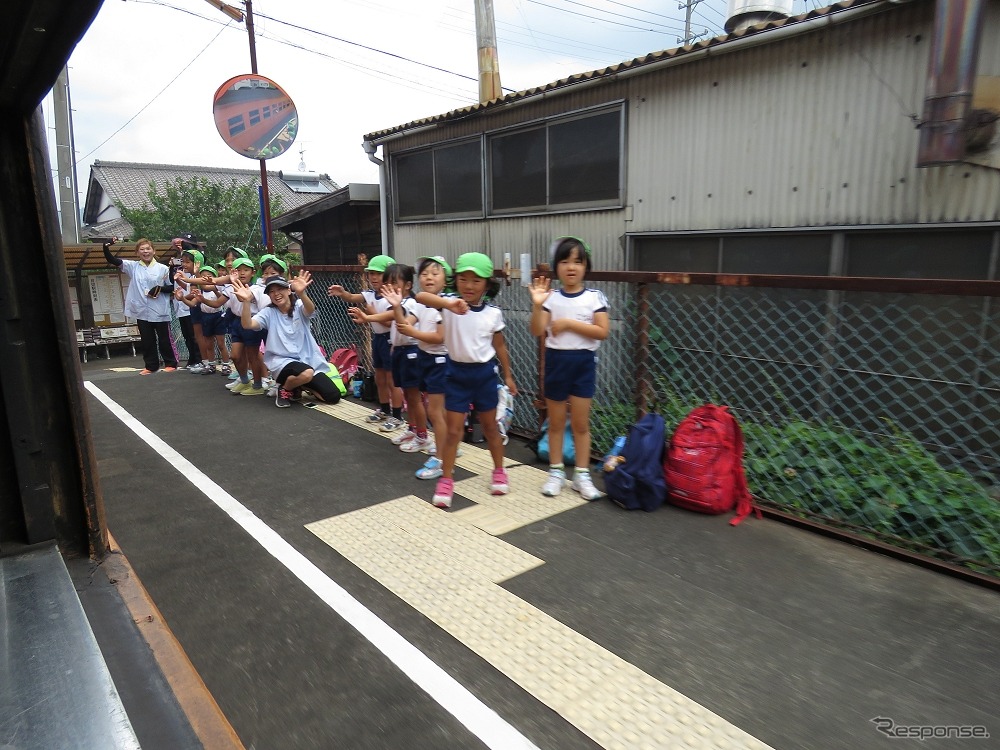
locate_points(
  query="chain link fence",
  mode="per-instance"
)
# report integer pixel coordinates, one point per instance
(876, 412)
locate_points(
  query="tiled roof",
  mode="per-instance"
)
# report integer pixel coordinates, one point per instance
(129, 183)
(611, 71)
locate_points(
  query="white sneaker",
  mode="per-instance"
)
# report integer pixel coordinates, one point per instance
(404, 437)
(376, 416)
(197, 367)
(391, 424)
(554, 483)
(583, 484)
(415, 445)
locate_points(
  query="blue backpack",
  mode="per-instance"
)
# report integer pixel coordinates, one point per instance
(638, 481)
(542, 449)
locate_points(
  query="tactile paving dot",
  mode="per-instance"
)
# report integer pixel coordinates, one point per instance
(447, 567)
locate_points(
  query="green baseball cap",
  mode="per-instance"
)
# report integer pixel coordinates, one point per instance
(239, 251)
(243, 262)
(269, 258)
(379, 263)
(437, 259)
(209, 269)
(559, 240)
(478, 263)
(196, 255)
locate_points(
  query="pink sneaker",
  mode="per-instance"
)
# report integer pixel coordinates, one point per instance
(443, 492)
(499, 484)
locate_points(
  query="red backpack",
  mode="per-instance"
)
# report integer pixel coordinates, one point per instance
(703, 464)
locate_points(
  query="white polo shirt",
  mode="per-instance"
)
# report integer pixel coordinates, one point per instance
(142, 278)
(469, 337)
(582, 306)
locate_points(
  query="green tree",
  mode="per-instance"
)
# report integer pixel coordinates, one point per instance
(220, 215)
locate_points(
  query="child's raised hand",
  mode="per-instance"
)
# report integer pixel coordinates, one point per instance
(391, 294)
(300, 282)
(242, 291)
(540, 289)
(358, 315)
(335, 290)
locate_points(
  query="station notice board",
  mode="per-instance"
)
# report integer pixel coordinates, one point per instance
(107, 299)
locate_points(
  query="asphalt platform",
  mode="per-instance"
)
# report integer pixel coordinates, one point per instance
(326, 604)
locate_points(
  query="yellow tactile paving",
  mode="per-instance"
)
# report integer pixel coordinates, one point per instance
(438, 538)
(447, 565)
(524, 505)
(449, 574)
(473, 458)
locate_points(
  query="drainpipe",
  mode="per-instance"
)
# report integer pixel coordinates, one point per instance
(951, 76)
(383, 202)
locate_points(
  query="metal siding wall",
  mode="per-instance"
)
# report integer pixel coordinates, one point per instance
(515, 235)
(810, 131)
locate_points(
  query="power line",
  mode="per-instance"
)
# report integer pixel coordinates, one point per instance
(370, 49)
(157, 96)
(607, 20)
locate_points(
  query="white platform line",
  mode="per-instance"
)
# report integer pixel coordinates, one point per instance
(478, 718)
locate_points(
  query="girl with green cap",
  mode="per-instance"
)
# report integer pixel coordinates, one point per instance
(473, 335)
(390, 398)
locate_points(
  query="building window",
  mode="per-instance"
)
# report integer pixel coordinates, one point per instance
(563, 164)
(440, 182)
(568, 163)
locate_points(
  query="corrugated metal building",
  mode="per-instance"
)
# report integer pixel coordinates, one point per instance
(786, 148)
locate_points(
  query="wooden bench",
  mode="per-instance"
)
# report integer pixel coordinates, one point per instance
(85, 341)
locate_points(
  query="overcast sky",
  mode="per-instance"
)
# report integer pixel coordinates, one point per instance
(143, 77)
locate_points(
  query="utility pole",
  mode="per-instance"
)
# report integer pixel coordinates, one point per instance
(486, 41)
(237, 15)
(688, 8)
(69, 200)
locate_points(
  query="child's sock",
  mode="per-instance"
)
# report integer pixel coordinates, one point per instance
(244, 379)
(557, 467)
(578, 472)
(422, 434)
(257, 383)
(385, 408)
(397, 412)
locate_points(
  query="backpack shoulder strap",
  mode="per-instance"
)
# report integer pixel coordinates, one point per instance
(744, 500)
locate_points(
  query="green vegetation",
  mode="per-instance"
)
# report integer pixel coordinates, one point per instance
(221, 216)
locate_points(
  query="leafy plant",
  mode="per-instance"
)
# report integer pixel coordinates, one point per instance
(220, 215)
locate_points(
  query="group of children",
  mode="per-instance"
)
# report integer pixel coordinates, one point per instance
(210, 303)
(443, 349)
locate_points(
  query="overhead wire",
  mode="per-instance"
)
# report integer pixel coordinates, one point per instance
(156, 96)
(607, 20)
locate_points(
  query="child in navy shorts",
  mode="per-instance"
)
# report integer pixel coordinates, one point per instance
(473, 334)
(246, 343)
(574, 320)
(390, 409)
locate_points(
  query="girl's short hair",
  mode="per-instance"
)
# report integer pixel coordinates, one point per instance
(449, 276)
(492, 289)
(398, 272)
(564, 248)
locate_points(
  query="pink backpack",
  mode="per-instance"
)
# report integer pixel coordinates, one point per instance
(703, 464)
(346, 361)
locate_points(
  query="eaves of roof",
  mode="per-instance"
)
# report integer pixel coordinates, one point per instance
(128, 182)
(801, 23)
(354, 194)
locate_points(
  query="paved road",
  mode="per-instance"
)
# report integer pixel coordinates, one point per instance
(326, 604)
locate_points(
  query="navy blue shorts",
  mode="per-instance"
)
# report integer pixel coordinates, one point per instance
(433, 371)
(213, 324)
(406, 366)
(570, 372)
(196, 315)
(381, 351)
(472, 384)
(240, 335)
